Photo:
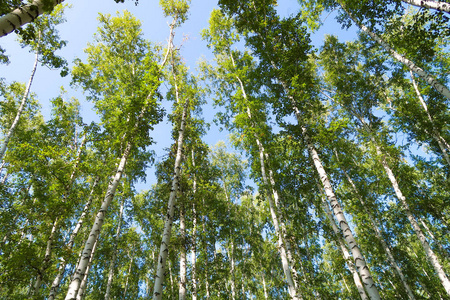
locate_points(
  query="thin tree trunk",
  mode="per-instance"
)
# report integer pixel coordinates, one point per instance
(95, 231)
(437, 5)
(182, 286)
(345, 253)
(436, 135)
(128, 273)
(194, 238)
(360, 262)
(46, 260)
(432, 258)
(442, 89)
(22, 103)
(287, 268)
(69, 245)
(430, 233)
(376, 226)
(112, 263)
(264, 286)
(22, 15)
(164, 250)
(82, 288)
(206, 256)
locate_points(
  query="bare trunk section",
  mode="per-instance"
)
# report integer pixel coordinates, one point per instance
(194, 236)
(437, 5)
(22, 104)
(345, 253)
(432, 258)
(376, 227)
(95, 231)
(128, 273)
(290, 274)
(430, 233)
(182, 286)
(164, 250)
(82, 289)
(69, 245)
(206, 257)
(281, 246)
(436, 135)
(46, 260)
(360, 262)
(112, 263)
(22, 15)
(442, 89)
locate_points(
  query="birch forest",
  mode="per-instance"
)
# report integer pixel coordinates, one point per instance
(333, 183)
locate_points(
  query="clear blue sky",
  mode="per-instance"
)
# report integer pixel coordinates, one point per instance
(81, 25)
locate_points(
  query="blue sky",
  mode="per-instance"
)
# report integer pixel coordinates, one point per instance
(82, 24)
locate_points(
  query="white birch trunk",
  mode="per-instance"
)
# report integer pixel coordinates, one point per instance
(62, 266)
(182, 286)
(442, 89)
(82, 289)
(360, 262)
(376, 227)
(95, 231)
(345, 253)
(22, 15)
(287, 268)
(194, 237)
(128, 273)
(266, 296)
(206, 259)
(432, 258)
(164, 249)
(435, 133)
(441, 248)
(22, 104)
(437, 5)
(46, 260)
(342, 221)
(112, 263)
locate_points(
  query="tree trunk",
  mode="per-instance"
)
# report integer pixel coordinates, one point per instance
(436, 135)
(164, 250)
(345, 253)
(360, 262)
(128, 273)
(430, 233)
(287, 268)
(432, 258)
(442, 89)
(69, 245)
(112, 263)
(46, 260)
(437, 5)
(194, 238)
(82, 288)
(23, 15)
(22, 104)
(95, 231)
(376, 226)
(182, 286)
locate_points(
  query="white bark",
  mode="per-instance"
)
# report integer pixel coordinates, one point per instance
(287, 267)
(360, 262)
(194, 237)
(164, 249)
(442, 89)
(128, 273)
(112, 263)
(82, 289)
(182, 286)
(345, 253)
(430, 233)
(22, 15)
(436, 135)
(46, 260)
(437, 5)
(376, 227)
(69, 245)
(21, 107)
(95, 231)
(432, 258)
